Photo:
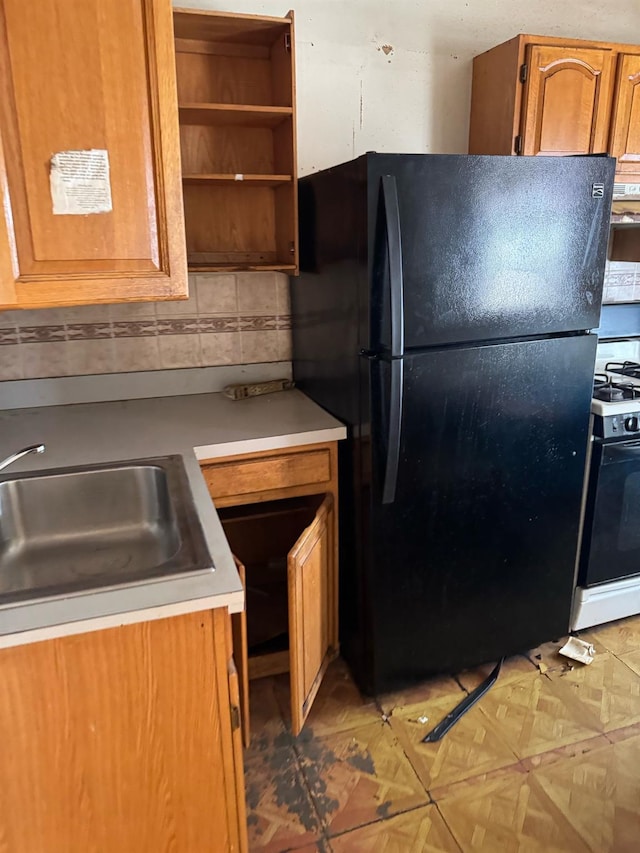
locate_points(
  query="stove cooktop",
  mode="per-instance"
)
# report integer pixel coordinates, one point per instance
(616, 393)
(615, 403)
(608, 390)
(628, 369)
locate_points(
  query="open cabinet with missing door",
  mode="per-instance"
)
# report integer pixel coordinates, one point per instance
(624, 243)
(286, 549)
(236, 97)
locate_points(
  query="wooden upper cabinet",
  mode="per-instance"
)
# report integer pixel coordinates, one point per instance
(236, 93)
(88, 117)
(566, 101)
(544, 95)
(625, 128)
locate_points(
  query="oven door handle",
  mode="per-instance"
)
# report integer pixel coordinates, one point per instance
(620, 452)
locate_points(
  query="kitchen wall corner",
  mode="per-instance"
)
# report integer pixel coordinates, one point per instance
(229, 319)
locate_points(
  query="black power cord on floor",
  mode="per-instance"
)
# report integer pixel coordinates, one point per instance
(439, 731)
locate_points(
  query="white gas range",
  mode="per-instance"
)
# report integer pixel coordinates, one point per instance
(608, 566)
(619, 362)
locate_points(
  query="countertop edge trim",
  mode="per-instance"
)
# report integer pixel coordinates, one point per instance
(234, 601)
(275, 442)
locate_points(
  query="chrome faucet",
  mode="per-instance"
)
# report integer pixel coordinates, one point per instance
(33, 448)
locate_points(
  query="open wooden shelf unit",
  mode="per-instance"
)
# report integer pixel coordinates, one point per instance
(236, 95)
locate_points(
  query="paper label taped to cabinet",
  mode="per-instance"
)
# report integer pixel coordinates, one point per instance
(79, 182)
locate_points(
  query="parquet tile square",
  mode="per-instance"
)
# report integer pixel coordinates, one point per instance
(411, 697)
(632, 660)
(563, 753)
(510, 815)
(267, 727)
(338, 705)
(547, 654)
(512, 669)
(456, 789)
(358, 776)
(280, 812)
(618, 637)
(418, 831)
(532, 716)
(599, 793)
(624, 733)
(607, 689)
(545, 762)
(547, 657)
(471, 748)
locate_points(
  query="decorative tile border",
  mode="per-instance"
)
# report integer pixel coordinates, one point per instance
(8, 337)
(620, 279)
(152, 327)
(84, 331)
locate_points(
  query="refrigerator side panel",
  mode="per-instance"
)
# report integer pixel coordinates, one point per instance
(328, 301)
(474, 557)
(324, 297)
(496, 247)
(357, 644)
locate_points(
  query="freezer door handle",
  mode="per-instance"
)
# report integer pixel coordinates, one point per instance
(396, 399)
(394, 254)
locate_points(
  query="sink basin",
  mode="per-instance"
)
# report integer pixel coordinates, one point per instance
(77, 529)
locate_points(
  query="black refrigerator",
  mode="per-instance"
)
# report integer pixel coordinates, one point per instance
(443, 313)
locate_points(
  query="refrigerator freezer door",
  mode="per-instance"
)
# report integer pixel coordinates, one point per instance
(475, 557)
(492, 247)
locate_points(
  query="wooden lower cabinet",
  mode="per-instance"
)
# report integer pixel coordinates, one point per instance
(279, 513)
(123, 740)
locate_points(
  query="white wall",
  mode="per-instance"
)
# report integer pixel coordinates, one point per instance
(353, 97)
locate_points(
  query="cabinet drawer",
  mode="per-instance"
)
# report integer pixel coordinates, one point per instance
(280, 471)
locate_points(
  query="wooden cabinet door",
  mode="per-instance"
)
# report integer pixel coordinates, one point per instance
(121, 740)
(241, 657)
(309, 569)
(625, 128)
(88, 110)
(567, 100)
(237, 737)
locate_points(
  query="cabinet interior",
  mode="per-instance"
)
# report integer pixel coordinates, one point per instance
(624, 242)
(261, 536)
(237, 126)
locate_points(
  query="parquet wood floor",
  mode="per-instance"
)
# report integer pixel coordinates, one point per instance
(548, 761)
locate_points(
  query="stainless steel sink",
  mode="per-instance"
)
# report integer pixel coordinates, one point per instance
(78, 529)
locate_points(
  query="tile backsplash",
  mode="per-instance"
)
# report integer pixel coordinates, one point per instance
(228, 319)
(621, 282)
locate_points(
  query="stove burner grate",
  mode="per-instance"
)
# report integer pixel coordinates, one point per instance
(625, 368)
(614, 392)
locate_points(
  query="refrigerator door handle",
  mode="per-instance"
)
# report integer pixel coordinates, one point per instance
(394, 254)
(396, 399)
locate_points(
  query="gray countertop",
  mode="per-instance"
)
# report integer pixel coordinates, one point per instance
(198, 427)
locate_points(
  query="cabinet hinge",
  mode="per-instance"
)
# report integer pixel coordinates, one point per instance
(517, 144)
(287, 42)
(524, 72)
(292, 248)
(235, 718)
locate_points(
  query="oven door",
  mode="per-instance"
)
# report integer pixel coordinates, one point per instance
(611, 543)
